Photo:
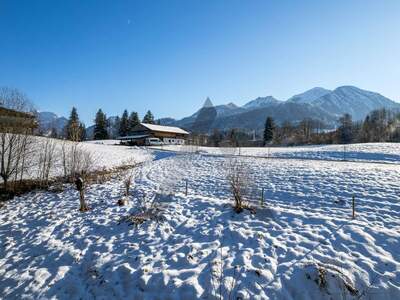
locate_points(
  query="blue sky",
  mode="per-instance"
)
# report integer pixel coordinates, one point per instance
(168, 56)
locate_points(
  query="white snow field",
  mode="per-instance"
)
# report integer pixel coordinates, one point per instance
(302, 244)
(375, 152)
(105, 155)
(109, 155)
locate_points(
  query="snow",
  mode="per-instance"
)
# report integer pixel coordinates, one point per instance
(261, 102)
(302, 244)
(109, 156)
(366, 152)
(105, 155)
(162, 128)
(104, 142)
(310, 95)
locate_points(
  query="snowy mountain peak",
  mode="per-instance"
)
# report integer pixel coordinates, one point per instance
(48, 120)
(232, 105)
(355, 91)
(208, 103)
(261, 102)
(355, 101)
(310, 95)
(47, 116)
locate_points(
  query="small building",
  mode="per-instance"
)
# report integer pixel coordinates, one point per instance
(166, 134)
(16, 121)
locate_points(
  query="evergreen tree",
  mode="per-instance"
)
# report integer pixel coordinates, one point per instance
(82, 132)
(100, 126)
(113, 127)
(366, 130)
(216, 138)
(269, 130)
(345, 131)
(73, 126)
(148, 118)
(53, 133)
(124, 124)
(133, 121)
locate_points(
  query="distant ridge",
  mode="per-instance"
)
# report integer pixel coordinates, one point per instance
(317, 103)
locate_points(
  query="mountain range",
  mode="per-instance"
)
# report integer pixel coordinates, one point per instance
(48, 120)
(317, 103)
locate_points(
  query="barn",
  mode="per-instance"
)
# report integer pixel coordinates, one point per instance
(144, 133)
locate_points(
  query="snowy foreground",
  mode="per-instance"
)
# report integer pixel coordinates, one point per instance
(302, 244)
(367, 152)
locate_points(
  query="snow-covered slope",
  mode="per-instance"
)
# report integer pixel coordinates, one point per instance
(310, 95)
(355, 101)
(302, 244)
(261, 102)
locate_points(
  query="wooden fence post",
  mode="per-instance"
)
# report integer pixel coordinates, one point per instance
(186, 189)
(354, 207)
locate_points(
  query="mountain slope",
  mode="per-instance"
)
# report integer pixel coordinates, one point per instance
(310, 95)
(261, 102)
(48, 120)
(317, 103)
(285, 111)
(353, 100)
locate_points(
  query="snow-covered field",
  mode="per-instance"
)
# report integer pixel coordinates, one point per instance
(105, 155)
(109, 155)
(302, 244)
(375, 152)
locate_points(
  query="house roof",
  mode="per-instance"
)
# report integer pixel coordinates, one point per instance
(133, 137)
(162, 128)
(16, 120)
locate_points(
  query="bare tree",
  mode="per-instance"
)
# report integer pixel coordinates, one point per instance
(13, 156)
(14, 99)
(26, 161)
(75, 160)
(237, 175)
(46, 160)
(15, 130)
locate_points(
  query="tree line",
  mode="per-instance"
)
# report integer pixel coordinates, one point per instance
(104, 128)
(381, 125)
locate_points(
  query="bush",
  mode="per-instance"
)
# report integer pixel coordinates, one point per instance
(237, 174)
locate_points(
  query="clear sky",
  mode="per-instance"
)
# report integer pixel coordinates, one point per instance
(168, 56)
